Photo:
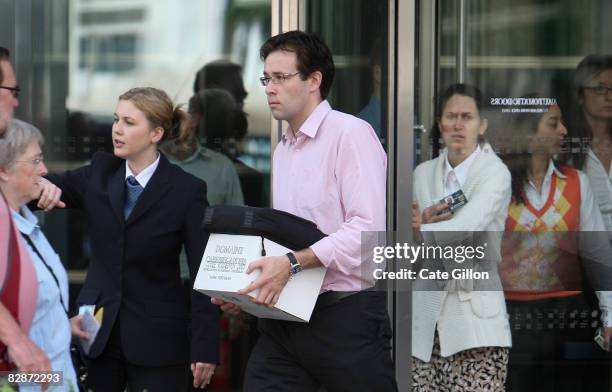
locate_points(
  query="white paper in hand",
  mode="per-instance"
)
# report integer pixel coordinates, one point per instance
(90, 325)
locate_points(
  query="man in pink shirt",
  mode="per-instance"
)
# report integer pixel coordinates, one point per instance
(330, 168)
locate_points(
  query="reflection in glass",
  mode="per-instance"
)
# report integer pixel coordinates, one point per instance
(356, 32)
(513, 49)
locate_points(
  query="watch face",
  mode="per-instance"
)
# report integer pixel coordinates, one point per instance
(295, 264)
(295, 268)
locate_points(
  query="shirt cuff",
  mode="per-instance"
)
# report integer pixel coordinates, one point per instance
(323, 249)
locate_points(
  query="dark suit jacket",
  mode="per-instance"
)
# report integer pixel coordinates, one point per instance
(134, 268)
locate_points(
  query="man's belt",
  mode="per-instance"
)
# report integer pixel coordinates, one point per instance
(330, 298)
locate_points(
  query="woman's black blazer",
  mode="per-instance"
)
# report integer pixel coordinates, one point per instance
(134, 268)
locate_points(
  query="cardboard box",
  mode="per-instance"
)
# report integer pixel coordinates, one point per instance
(223, 272)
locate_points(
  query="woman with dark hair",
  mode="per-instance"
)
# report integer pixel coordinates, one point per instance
(460, 332)
(227, 76)
(213, 116)
(211, 111)
(141, 211)
(224, 75)
(590, 121)
(541, 269)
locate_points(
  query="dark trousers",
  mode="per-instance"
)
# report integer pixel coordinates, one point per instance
(344, 347)
(553, 348)
(110, 372)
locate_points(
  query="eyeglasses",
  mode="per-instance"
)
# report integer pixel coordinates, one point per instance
(14, 90)
(34, 162)
(276, 79)
(599, 90)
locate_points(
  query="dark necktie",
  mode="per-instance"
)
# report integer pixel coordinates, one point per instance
(132, 191)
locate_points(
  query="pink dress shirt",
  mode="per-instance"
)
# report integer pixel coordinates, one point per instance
(333, 172)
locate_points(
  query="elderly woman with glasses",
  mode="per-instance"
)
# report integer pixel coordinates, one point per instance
(21, 169)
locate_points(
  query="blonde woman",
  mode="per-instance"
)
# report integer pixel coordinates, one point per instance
(141, 210)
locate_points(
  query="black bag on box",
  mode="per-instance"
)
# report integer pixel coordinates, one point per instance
(284, 228)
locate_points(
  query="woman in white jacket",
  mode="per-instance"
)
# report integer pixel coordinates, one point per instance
(460, 331)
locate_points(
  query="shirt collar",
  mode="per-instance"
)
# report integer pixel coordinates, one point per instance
(312, 123)
(548, 176)
(145, 175)
(461, 170)
(553, 169)
(199, 151)
(26, 222)
(203, 151)
(594, 161)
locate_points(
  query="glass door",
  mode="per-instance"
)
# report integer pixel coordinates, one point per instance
(362, 35)
(538, 64)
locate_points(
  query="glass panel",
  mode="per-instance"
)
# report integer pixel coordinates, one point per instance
(544, 68)
(71, 87)
(73, 58)
(356, 32)
(128, 50)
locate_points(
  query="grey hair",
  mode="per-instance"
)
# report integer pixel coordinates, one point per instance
(19, 135)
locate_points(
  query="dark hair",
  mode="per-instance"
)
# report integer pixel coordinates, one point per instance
(311, 52)
(463, 89)
(589, 67)
(520, 126)
(224, 75)
(4, 56)
(578, 126)
(161, 112)
(217, 125)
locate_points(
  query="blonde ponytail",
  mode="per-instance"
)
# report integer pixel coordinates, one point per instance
(181, 141)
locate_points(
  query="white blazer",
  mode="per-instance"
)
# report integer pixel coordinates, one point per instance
(465, 318)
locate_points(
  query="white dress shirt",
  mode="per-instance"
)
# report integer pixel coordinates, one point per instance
(590, 218)
(601, 184)
(145, 175)
(454, 177)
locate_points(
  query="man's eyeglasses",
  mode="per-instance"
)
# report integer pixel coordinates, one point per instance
(14, 90)
(276, 79)
(34, 162)
(599, 90)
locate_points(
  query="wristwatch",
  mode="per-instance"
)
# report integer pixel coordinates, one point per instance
(295, 265)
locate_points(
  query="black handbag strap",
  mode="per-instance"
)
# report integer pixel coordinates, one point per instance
(35, 249)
